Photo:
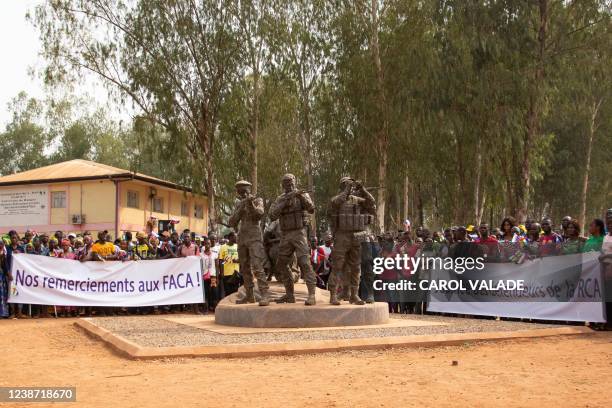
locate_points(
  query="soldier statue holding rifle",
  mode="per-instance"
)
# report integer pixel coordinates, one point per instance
(246, 219)
(293, 209)
(352, 212)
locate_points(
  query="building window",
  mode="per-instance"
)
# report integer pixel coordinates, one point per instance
(199, 211)
(158, 204)
(185, 208)
(133, 199)
(58, 199)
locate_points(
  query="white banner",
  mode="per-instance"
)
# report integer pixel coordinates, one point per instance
(62, 282)
(565, 288)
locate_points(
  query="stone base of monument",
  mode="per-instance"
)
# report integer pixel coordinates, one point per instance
(297, 314)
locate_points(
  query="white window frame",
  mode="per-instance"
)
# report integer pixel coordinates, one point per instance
(199, 207)
(185, 208)
(58, 199)
(133, 195)
(156, 201)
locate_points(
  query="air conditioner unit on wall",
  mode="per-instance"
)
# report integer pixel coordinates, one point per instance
(78, 219)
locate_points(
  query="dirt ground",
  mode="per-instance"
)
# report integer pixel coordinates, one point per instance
(571, 371)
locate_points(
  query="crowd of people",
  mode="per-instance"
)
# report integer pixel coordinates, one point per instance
(142, 247)
(511, 242)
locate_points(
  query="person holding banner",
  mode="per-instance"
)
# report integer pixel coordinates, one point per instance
(66, 253)
(488, 243)
(187, 248)
(84, 252)
(573, 241)
(5, 281)
(102, 250)
(14, 248)
(549, 239)
(143, 249)
(596, 236)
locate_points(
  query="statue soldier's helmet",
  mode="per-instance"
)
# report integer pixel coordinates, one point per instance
(288, 176)
(346, 179)
(243, 183)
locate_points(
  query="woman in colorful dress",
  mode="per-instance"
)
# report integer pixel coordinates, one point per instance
(5, 281)
(509, 242)
(54, 248)
(573, 242)
(66, 253)
(15, 247)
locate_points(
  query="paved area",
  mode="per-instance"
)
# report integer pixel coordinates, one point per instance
(209, 323)
(160, 331)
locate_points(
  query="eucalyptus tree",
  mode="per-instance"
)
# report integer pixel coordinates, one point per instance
(172, 59)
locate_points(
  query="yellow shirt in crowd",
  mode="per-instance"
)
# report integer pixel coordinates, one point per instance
(105, 249)
(228, 256)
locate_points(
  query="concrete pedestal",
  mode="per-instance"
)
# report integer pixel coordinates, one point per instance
(297, 314)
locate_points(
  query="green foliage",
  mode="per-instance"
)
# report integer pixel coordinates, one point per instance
(24, 140)
(473, 98)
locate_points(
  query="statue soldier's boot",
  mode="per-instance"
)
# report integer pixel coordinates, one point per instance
(249, 297)
(265, 299)
(355, 299)
(344, 293)
(333, 296)
(311, 301)
(370, 298)
(289, 296)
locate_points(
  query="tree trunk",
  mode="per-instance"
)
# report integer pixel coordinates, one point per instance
(420, 206)
(533, 114)
(480, 210)
(308, 140)
(477, 198)
(210, 191)
(462, 209)
(383, 134)
(254, 131)
(380, 193)
(398, 207)
(405, 200)
(206, 141)
(587, 167)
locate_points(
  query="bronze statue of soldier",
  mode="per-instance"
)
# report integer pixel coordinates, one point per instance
(293, 209)
(271, 240)
(352, 212)
(246, 219)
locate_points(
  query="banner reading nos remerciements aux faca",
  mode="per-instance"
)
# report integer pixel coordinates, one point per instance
(52, 281)
(566, 288)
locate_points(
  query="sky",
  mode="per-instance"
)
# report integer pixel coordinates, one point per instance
(20, 50)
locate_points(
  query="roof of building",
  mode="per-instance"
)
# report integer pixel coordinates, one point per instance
(79, 170)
